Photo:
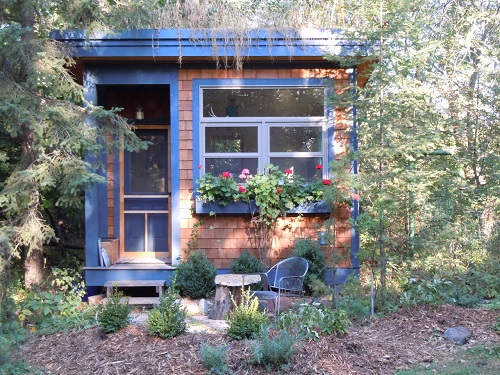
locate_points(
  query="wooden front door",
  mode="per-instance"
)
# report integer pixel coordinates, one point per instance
(145, 212)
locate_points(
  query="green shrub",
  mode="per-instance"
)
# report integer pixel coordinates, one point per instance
(168, 318)
(246, 320)
(246, 263)
(195, 277)
(354, 299)
(114, 315)
(309, 249)
(215, 358)
(274, 352)
(313, 321)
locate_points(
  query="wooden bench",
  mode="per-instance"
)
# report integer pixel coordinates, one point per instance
(110, 285)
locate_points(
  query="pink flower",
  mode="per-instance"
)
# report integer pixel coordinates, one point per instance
(242, 189)
(288, 172)
(226, 175)
(319, 166)
(200, 166)
(327, 182)
(245, 171)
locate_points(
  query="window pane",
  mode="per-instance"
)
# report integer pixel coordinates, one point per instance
(232, 165)
(295, 139)
(147, 168)
(304, 167)
(231, 139)
(264, 102)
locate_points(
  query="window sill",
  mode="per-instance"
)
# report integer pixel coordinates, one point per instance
(232, 208)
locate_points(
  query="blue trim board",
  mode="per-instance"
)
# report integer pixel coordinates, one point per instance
(355, 238)
(175, 43)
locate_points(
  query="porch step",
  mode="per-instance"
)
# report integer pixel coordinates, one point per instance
(137, 301)
(110, 285)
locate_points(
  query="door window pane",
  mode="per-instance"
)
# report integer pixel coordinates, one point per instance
(295, 139)
(148, 168)
(134, 232)
(231, 139)
(264, 102)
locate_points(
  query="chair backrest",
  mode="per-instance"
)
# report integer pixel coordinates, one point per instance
(294, 266)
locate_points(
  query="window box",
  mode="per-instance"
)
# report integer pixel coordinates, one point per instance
(232, 208)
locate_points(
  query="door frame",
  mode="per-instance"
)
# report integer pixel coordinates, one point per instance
(96, 196)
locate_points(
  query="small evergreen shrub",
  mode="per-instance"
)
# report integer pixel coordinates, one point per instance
(215, 358)
(274, 352)
(246, 320)
(246, 263)
(195, 277)
(168, 318)
(114, 315)
(311, 321)
(309, 249)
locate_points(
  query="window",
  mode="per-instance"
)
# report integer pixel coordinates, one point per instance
(252, 126)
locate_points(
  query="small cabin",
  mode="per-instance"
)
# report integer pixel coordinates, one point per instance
(200, 117)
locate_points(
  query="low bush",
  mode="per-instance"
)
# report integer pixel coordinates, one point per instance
(246, 263)
(215, 358)
(309, 249)
(168, 318)
(195, 277)
(273, 352)
(311, 321)
(114, 315)
(246, 320)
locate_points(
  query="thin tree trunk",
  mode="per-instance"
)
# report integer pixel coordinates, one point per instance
(34, 261)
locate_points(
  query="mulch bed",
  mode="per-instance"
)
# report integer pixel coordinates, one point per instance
(395, 341)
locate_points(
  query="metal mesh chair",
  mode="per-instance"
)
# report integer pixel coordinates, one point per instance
(285, 278)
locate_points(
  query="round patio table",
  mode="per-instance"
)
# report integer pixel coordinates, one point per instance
(226, 286)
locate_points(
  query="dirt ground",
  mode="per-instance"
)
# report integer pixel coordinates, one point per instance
(396, 341)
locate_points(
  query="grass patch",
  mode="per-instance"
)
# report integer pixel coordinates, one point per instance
(479, 361)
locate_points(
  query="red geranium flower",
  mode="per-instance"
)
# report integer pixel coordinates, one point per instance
(327, 182)
(226, 174)
(242, 189)
(319, 166)
(279, 190)
(288, 172)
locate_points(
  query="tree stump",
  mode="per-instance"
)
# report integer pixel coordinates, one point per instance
(226, 286)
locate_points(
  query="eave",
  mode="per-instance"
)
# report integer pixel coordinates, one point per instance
(174, 45)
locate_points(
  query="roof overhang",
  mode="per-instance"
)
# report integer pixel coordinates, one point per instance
(192, 45)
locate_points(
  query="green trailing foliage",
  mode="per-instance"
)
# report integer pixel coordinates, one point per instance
(310, 250)
(115, 314)
(311, 321)
(246, 320)
(168, 318)
(273, 352)
(195, 277)
(215, 358)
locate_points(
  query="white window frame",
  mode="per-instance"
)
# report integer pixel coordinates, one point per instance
(263, 125)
